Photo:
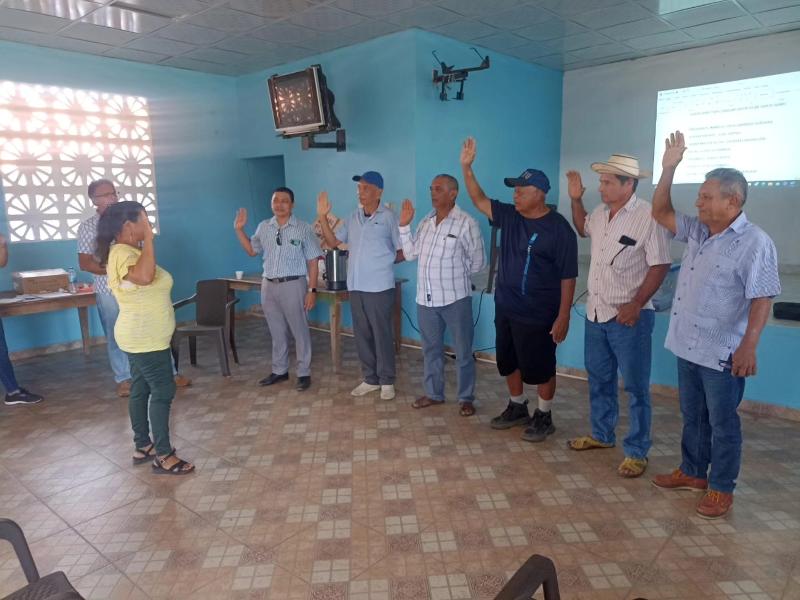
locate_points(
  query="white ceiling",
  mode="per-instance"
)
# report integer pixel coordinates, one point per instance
(233, 37)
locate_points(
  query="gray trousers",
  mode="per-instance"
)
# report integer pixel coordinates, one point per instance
(282, 304)
(373, 328)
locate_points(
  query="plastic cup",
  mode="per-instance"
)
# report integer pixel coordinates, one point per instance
(239, 274)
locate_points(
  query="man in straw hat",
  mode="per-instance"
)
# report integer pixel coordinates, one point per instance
(535, 285)
(725, 289)
(629, 260)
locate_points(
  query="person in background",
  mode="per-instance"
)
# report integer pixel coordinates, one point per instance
(728, 277)
(143, 329)
(535, 285)
(448, 248)
(288, 289)
(103, 194)
(14, 393)
(629, 260)
(373, 239)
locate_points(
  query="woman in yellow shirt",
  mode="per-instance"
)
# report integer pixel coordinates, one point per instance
(143, 329)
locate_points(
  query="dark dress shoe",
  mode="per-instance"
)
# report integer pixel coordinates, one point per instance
(303, 383)
(274, 379)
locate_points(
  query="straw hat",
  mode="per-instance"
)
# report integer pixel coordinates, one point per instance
(621, 164)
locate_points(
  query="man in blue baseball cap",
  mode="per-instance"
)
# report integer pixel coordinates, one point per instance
(373, 237)
(535, 286)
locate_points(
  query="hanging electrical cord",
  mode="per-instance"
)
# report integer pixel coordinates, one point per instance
(575, 304)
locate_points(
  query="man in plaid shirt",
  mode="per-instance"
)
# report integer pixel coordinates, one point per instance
(448, 248)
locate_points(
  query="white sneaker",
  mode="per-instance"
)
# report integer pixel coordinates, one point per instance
(387, 392)
(365, 388)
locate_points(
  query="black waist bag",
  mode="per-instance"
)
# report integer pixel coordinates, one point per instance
(787, 310)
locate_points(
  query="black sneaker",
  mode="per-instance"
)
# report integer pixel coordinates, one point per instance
(514, 414)
(540, 427)
(273, 379)
(23, 396)
(303, 383)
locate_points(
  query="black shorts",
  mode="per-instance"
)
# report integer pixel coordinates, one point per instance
(529, 348)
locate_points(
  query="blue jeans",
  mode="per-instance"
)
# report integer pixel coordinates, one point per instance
(608, 348)
(7, 377)
(712, 432)
(457, 317)
(108, 309)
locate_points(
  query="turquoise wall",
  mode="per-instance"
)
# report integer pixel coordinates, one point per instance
(200, 176)
(397, 125)
(513, 110)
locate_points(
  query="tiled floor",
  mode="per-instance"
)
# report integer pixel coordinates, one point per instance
(321, 495)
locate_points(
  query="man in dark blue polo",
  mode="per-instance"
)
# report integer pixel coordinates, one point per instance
(535, 286)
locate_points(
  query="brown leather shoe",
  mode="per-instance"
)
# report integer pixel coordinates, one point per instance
(714, 504)
(678, 480)
(182, 380)
(124, 388)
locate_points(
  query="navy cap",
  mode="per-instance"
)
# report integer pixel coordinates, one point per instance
(532, 177)
(372, 177)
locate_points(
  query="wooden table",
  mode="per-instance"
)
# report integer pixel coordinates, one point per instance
(335, 299)
(30, 306)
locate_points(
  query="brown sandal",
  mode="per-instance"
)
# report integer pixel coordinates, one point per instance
(467, 409)
(179, 468)
(424, 402)
(144, 454)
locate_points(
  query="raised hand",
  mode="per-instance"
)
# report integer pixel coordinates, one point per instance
(468, 151)
(241, 219)
(406, 213)
(575, 187)
(323, 205)
(675, 146)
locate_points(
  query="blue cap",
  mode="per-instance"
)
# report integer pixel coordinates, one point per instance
(372, 177)
(532, 177)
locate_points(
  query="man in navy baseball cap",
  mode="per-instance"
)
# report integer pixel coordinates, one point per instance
(373, 238)
(371, 177)
(535, 286)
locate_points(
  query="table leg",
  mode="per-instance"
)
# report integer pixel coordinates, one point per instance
(335, 324)
(83, 316)
(398, 314)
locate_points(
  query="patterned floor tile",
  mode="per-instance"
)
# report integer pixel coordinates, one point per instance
(323, 496)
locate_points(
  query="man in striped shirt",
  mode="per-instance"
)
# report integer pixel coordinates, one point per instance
(449, 249)
(629, 260)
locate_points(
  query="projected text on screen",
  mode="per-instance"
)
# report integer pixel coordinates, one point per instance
(752, 125)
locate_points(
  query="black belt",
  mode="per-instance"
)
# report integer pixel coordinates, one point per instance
(283, 279)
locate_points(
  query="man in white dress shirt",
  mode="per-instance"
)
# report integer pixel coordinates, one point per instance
(629, 260)
(448, 249)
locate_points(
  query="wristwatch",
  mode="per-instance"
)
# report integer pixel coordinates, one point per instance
(312, 290)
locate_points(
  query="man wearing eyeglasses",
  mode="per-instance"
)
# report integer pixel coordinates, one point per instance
(629, 260)
(103, 194)
(291, 253)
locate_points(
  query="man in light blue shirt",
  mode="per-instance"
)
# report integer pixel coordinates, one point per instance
(728, 277)
(373, 237)
(291, 253)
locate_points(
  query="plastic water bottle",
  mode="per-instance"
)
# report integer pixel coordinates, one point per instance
(72, 278)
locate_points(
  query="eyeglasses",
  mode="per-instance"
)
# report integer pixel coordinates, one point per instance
(278, 238)
(114, 193)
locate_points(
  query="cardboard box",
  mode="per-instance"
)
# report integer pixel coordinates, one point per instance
(39, 282)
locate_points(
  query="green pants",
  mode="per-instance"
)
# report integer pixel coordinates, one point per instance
(151, 379)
